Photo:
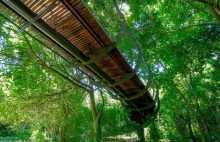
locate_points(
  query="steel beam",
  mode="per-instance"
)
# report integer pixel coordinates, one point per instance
(22, 10)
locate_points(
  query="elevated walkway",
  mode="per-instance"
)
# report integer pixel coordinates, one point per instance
(70, 25)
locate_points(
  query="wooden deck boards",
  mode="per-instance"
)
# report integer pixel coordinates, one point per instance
(73, 20)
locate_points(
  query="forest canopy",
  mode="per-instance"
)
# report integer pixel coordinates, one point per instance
(41, 98)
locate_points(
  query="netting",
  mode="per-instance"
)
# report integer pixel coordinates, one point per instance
(114, 23)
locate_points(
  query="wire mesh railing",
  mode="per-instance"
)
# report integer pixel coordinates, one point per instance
(113, 21)
(107, 14)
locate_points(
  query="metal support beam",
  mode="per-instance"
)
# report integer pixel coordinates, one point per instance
(101, 53)
(36, 18)
(141, 93)
(22, 10)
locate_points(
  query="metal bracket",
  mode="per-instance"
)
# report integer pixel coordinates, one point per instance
(151, 104)
(103, 51)
(29, 23)
(141, 93)
(125, 77)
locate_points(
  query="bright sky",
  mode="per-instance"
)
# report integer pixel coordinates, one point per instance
(125, 8)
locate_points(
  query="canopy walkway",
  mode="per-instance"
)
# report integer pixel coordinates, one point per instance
(71, 26)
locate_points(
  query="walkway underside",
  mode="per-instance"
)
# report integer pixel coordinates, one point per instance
(70, 25)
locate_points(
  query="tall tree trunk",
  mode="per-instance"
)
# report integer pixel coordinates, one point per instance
(195, 113)
(154, 132)
(140, 133)
(60, 133)
(214, 10)
(189, 126)
(96, 118)
(196, 116)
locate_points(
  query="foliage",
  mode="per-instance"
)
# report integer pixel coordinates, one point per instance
(179, 39)
(182, 44)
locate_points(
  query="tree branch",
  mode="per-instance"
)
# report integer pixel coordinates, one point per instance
(174, 85)
(191, 26)
(199, 9)
(50, 68)
(103, 104)
(46, 95)
(206, 2)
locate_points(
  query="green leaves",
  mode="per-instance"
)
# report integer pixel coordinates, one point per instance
(180, 39)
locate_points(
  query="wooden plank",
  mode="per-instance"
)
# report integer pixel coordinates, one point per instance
(75, 23)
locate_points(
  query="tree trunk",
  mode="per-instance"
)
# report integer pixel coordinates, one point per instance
(196, 116)
(191, 136)
(194, 112)
(96, 118)
(214, 10)
(140, 133)
(97, 129)
(154, 132)
(60, 134)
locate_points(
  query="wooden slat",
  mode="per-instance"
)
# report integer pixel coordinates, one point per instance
(72, 20)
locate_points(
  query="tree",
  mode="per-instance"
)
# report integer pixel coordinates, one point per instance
(34, 76)
(184, 55)
(179, 39)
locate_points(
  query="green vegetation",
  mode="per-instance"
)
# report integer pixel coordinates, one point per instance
(43, 99)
